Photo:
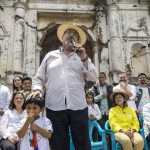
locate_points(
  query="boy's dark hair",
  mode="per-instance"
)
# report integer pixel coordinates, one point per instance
(142, 74)
(12, 105)
(26, 78)
(36, 100)
(103, 73)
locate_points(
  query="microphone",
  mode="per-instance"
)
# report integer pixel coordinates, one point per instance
(74, 45)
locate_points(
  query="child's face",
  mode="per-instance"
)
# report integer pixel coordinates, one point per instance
(89, 99)
(18, 100)
(33, 109)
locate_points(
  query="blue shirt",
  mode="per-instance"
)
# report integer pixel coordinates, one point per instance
(103, 104)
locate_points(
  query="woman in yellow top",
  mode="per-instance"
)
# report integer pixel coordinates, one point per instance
(123, 121)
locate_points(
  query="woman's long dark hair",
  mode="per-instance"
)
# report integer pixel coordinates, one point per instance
(15, 89)
(12, 105)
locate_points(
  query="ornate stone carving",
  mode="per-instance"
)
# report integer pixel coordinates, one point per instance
(3, 32)
(104, 66)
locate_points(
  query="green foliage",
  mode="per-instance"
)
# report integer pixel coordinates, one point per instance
(99, 5)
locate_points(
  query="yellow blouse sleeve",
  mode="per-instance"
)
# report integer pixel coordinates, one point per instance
(135, 121)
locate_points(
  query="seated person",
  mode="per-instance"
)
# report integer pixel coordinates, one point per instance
(123, 121)
(8, 122)
(93, 109)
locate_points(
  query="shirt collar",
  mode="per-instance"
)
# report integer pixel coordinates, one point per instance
(61, 50)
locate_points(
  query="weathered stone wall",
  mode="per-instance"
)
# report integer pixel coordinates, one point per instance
(119, 36)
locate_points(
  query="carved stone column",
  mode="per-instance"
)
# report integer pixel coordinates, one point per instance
(114, 40)
(96, 56)
(19, 36)
(31, 52)
(37, 55)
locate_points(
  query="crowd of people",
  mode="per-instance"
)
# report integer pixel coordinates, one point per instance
(41, 113)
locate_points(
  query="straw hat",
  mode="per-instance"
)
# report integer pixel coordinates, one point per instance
(62, 28)
(119, 92)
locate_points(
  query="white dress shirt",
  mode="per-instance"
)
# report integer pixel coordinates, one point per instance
(146, 115)
(132, 89)
(94, 110)
(64, 78)
(8, 123)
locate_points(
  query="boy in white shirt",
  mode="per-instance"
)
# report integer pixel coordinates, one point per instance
(35, 123)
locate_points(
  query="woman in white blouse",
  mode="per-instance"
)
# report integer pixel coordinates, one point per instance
(8, 124)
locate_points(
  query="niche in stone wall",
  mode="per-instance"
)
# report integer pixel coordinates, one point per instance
(139, 59)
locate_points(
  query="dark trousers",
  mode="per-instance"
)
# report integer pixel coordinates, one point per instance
(78, 123)
(8, 145)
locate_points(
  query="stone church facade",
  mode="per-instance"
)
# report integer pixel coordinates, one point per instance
(117, 35)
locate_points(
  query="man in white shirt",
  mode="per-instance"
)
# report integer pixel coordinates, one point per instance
(127, 88)
(146, 124)
(4, 98)
(63, 73)
(27, 86)
(142, 92)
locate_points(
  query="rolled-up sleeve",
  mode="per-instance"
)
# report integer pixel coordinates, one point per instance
(90, 72)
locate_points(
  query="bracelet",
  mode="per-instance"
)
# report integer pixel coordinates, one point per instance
(85, 59)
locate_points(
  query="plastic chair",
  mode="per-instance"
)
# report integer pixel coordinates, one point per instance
(141, 120)
(96, 145)
(115, 144)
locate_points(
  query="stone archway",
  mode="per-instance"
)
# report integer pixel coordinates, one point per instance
(50, 43)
